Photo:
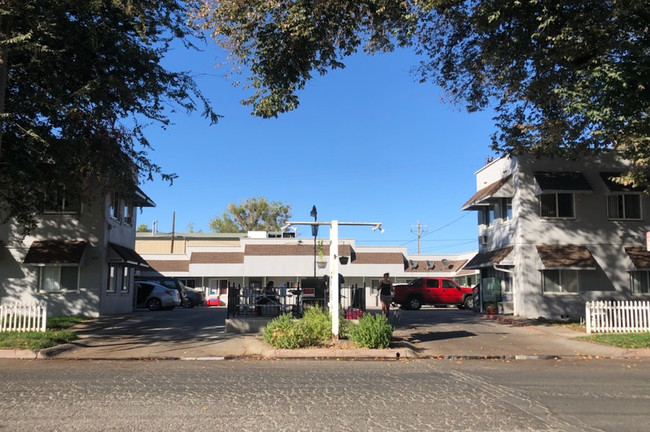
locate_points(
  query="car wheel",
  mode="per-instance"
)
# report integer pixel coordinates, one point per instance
(414, 303)
(468, 303)
(187, 303)
(154, 304)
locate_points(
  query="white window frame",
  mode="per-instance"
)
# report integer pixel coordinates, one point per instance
(557, 206)
(623, 196)
(55, 278)
(563, 281)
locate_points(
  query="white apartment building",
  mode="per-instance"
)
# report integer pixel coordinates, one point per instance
(554, 234)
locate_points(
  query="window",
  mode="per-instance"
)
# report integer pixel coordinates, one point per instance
(448, 284)
(58, 201)
(556, 205)
(119, 279)
(506, 209)
(432, 283)
(624, 206)
(126, 279)
(488, 215)
(58, 278)
(640, 282)
(127, 213)
(560, 281)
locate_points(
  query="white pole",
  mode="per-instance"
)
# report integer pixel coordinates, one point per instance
(334, 278)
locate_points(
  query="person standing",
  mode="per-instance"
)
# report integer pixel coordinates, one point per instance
(385, 295)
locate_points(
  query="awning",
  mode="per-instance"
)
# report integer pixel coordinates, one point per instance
(125, 255)
(56, 252)
(140, 199)
(640, 257)
(561, 182)
(575, 257)
(499, 189)
(489, 258)
(616, 187)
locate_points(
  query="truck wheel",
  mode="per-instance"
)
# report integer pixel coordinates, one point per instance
(414, 303)
(468, 303)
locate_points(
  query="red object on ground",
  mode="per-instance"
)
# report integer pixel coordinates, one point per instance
(213, 302)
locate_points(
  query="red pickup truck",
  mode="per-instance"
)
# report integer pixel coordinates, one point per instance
(433, 291)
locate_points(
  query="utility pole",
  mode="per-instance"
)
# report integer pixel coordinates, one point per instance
(419, 229)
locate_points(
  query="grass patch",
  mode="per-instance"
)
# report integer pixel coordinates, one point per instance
(35, 340)
(621, 340)
(56, 334)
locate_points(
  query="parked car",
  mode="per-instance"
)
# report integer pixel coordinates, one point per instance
(189, 297)
(156, 297)
(433, 291)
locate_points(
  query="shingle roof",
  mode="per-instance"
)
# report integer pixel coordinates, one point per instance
(294, 249)
(217, 258)
(434, 265)
(566, 256)
(486, 192)
(640, 257)
(562, 181)
(488, 258)
(56, 252)
(169, 265)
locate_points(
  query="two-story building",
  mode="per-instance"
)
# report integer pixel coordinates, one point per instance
(554, 234)
(79, 260)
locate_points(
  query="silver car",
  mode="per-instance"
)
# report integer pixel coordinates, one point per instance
(155, 297)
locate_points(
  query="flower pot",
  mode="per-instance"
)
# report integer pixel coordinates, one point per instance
(343, 259)
(321, 264)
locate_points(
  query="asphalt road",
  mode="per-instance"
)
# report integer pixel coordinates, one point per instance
(419, 395)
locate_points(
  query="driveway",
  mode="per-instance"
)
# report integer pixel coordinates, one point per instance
(429, 333)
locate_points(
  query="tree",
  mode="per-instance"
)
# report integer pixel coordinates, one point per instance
(143, 228)
(564, 77)
(254, 214)
(81, 80)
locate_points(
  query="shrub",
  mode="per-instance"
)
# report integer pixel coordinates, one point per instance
(284, 332)
(373, 331)
(318, 324)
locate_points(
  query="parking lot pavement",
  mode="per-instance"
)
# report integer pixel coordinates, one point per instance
(199, 333)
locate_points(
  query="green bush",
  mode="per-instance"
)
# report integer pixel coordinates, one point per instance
(373, 331)
(313, 329)
(284, 332)
(318, 324)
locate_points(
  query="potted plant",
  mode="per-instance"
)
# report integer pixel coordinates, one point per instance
(491, 309)
(321, 262)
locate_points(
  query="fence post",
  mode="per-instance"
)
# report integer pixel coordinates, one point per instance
(588, 316)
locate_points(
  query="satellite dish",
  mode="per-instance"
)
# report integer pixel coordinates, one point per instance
(445, 261)
(430, 265)
(413, 264)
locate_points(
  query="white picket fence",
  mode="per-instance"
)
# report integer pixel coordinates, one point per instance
(23, 317)
(617, 316)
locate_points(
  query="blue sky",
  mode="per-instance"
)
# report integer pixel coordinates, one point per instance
(367, 144)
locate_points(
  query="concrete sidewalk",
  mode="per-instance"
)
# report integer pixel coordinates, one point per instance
(424, 334)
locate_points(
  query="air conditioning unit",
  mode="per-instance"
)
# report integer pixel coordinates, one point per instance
(483, 240)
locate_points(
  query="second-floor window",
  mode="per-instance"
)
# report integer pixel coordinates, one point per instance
(624, 206)
(506, 209)
(60, 201)
(556, 205)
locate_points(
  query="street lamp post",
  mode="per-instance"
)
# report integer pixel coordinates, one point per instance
(334, 295)
(314, 232)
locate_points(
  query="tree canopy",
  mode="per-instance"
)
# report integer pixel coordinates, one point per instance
(254, 214)
(563, 77)
(79, 83)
